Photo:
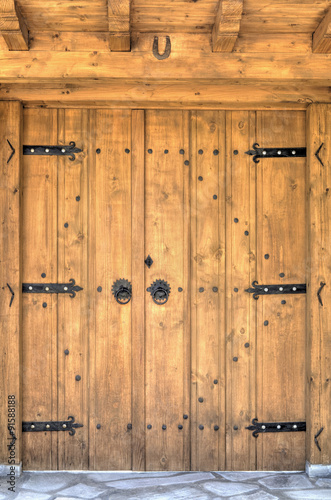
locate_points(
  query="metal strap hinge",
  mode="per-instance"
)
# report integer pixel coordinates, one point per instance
(70, 288)
(62, 425)
(263, 427)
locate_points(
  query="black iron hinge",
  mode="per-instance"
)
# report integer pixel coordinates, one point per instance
(258, 152)
(66, 150)
(62, 425)
(70, 288)
(263, 427)
(275, 289)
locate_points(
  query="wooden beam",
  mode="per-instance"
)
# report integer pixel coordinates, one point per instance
(12, 26)
(119, 25)
(318, 272)
(62, 66)
(10, 282)
(227, 25)
(322, 36)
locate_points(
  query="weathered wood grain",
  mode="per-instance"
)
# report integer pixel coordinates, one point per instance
(322, 36)
(318, 271)
(12, 26)
(227, 25)
(10, 272)
(119, 25)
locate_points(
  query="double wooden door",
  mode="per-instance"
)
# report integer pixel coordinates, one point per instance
(170, 380)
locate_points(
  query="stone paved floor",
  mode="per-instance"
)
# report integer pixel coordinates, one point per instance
(167, 486)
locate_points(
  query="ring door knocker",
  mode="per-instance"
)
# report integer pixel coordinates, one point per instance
(159, 291)
(122, 291)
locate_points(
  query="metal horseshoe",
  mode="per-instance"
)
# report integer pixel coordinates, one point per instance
(167, 50)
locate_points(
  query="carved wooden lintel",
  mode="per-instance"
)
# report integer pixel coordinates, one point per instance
(227, 25)
(12, 26)
(119, 25)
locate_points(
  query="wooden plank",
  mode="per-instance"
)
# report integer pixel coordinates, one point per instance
(10, 272)
(73, 314)
(139, 286)
(112, 338)
(119, 25)
(227, 25)
(207, 261)
(166, 241)
(318, 264)
(12, 26)
(281, 250)
(322, 36)
(39, 324)
(184, 95)
(55, 66)
(240, 331)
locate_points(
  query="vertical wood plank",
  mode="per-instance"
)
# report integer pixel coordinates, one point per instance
(39, 258)
(113, 352)
(281, 259)
(240, 334)
(207, 259)
(138, 280)
(318, 271)
(10, 272)
(167, 367)
(73, 313)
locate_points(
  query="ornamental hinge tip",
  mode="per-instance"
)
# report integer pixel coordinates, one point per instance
(65, 150)
(62, 425)
(264, 427)
(258, 152)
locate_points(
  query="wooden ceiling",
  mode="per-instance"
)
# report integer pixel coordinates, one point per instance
(182, 16)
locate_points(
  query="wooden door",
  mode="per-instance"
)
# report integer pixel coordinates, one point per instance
(172, 378)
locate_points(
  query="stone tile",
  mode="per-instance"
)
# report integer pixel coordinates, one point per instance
(163, 481)
(243, 476)
(229, 489)
(188, 493)
(46, 483)
(3, 496)
(81, 490)
(259, 495)
(32, 495)
(324, 482)
(309, 495)
(116, 476)
(286, 482)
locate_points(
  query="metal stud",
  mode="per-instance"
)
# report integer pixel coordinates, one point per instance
(30, 287)
(32, 150)
(279, 426)
(201, 427)
(32, 426)
(64, 426)
(266, 289)
(200, 400)
(293, 152)
(47, 426)
(262, 426)
(294, 288)
(63, 150)
(200, 178)
(149, 426)
(44, 305)
(185, 417)
(65, 288)
(216, 427)
(201, 289)
(164, 427)
(295, 426)
(180, 427)
(98, 426)
(281, 288)
(46, 150)
(279, 152)
(264, 152)
(46, 288)
(235, 359)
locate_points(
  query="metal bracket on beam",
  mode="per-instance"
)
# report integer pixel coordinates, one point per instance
(258, 152)
(263, 427)
(63, 425)
(275, 289)
(68, 150)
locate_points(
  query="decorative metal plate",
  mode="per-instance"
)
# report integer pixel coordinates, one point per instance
(53, 150)
(275, 289)
(149, 261)
(263, 427)
(160, 291)
(62, 425)
(258, 152)
(122, 291)
(70, 288)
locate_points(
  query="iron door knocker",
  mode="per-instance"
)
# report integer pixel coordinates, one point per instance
(122, 291)
(159, 291)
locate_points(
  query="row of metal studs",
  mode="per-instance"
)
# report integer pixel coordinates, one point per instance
(279, 426)
(48, 426)
(47, 150)
(279, 152)
(281, 289)
(65, 288)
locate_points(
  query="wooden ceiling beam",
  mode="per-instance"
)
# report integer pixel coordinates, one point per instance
(322, 36)
(227, 25)
(119, 25)
(12, 26)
